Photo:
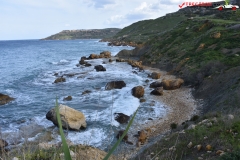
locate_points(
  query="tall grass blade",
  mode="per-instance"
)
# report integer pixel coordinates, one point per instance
(67, 155)
(120, 139)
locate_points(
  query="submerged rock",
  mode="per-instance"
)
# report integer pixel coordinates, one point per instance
(4, 99)
(71, 118)
(60, 79)
(115, 85)
(138, 91)
(121, 118)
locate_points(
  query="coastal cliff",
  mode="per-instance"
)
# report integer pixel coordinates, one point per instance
(83, 34)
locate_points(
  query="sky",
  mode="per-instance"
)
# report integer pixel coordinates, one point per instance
(36, 19)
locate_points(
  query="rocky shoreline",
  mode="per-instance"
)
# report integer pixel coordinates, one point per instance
(179, 103)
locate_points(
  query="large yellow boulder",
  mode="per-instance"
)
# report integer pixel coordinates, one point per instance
(71, 118)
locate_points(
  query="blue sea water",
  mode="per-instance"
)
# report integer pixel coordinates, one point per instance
(27, 70)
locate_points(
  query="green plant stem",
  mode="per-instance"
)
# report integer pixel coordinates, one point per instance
(120, 139)
(67, 155)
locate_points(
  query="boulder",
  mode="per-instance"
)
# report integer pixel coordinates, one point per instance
(208, 147)
(110, 60)
(99, 68)
(157, 91)
(82, 60)
(155, 84)
(138, 91)
(93, 56)
(68, 98)
(71, 118)
(142, 137)
(121, 118)
(4, 99)
(60, 79)
(3, 143)
(115, 84)
(135, 63)
(106, 54)
(172, 84)
(155, 75)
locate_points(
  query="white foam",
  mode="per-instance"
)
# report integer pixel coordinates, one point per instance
(95, 137)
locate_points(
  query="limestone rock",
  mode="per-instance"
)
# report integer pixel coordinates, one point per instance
(121, 118)
(71, 118)
(190, 144)
(92, 56)
(138, 91)
(157, 91)
(172, 84)
(115, 84)
(142, 137)
(4, 99)
(208, 147)
(99, 68)
(199, 147)
(106, 54)
(155, 75)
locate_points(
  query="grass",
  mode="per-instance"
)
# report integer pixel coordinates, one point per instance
(223, 135)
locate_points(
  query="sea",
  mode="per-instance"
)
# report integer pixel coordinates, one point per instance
(27, 73)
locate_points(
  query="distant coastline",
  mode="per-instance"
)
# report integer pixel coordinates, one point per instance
(84, 34)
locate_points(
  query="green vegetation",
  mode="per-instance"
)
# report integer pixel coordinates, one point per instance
(220, 133)
(67, 155)
(84, 34)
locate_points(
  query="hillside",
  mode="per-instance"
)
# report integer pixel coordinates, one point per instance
(84, 34)
(203, 48)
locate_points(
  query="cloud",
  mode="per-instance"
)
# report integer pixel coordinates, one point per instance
(100, 4)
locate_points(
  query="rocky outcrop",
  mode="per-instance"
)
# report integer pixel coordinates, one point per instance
(155, 75)
(93, 56)
(121, 118)
(71, 118)
(157, 91)
(99, 68)
(138, 91)
(172, 83)
(105, 54)
(155, 84)
(68, 98)
(115, 85)
(135, 63)
(4, 99)
(86, 92)
(60, 79)
(3, 143)
(125, 53)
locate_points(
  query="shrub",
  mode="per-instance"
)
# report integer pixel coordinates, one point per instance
(173, 126)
